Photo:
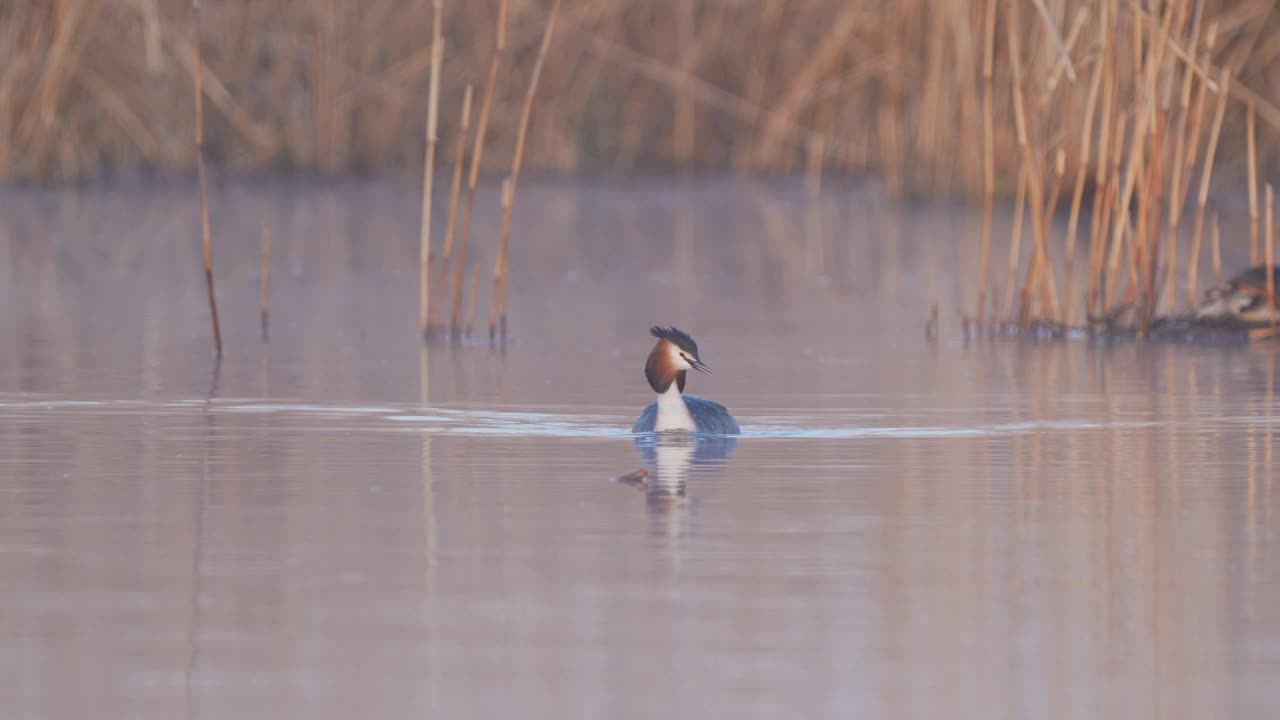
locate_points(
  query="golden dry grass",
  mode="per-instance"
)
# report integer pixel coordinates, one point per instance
(331, 86)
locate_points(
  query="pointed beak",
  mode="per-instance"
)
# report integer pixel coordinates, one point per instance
(699, 365)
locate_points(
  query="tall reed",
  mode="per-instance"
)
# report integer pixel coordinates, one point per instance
(429, 172)
(1267, 249)
(333, 86)
(477, 152)
(264, 304)
(205, 232)
(459, 160)
(498, 303)
(988, 153)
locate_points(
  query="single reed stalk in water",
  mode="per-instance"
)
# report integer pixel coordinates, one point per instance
(459, 159)
(1077, 195)
(429, 173)
(1015, 242)
(265, 317)
(471, 297)
(1251, 132)
(1217, 251)
(477, 152)
(1268, 253)
(498, 303)
(988, 159)
(204, 182)
(1210, 151)
(508, 196)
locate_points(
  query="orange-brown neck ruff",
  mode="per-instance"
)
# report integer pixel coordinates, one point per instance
(660, 371)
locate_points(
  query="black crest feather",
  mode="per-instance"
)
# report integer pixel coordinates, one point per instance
(679, 337)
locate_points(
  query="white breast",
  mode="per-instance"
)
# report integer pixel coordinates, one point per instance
(673, 414)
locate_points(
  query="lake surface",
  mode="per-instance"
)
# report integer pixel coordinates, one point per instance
(342, 523)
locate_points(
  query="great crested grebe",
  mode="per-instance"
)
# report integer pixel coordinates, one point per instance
(1241, 299)
(675, 354)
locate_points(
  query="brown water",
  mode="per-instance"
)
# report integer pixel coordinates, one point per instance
(342, 524)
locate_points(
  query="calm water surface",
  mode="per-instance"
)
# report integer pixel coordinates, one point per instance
(342, 524)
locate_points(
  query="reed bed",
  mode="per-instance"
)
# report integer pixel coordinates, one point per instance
(1111, 109)
(887, 88)
(1144, 64)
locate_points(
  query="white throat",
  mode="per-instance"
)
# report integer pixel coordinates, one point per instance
(673, 414)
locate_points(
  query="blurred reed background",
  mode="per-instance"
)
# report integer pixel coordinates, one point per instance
(1078, 107)
(94, 87)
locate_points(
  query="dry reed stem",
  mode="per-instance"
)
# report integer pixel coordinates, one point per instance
(1252, 154)
(1149, 238)
(1266, 333)
(1193, 266)
(265, 303)
(455, 190)
(1270, 112)
(1103, 181)
(1064, 54)
(1178, 171)
(1134, 169)
(498, 303)
(1086, 135)
(429, 172)
(477, 152)
(1152, 199)
(1119, 216)
(1015, 242)
(205, 231)
(266, 142)
(1098, 302)
(1073, 35)
(1139, 278)
(1217, 251)
(1187, 56)
(988, 155)
(471, 297)
(508, 198)
(1268, 254)
(371, 82)
(1197, 117)
(827, 52)
(1210, 151)
(704, 91)
(1040, 274)
(1035, 189)
(35, 130)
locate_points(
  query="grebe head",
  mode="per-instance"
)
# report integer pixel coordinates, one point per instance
(674, 354)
